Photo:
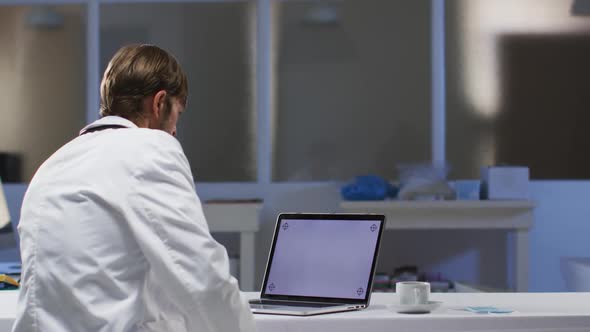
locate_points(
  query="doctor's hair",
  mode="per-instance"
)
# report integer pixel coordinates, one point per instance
(136, 72)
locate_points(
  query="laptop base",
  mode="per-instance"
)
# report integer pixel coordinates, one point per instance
(289, 310)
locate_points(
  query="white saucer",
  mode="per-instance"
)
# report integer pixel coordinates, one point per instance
(416, 308)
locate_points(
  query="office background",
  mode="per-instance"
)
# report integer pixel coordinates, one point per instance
(289, 99)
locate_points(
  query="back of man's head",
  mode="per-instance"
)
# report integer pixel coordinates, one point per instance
(136, 72)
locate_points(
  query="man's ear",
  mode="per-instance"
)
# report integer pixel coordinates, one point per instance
(159, 103)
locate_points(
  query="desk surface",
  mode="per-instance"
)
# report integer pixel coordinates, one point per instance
(533, 312)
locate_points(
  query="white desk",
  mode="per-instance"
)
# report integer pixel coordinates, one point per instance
(542, 312)
(516, 216)
(237, 218)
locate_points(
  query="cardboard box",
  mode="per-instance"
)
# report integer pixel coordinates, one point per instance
(505, 182)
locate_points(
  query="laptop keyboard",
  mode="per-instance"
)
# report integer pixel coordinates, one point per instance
(294, 304)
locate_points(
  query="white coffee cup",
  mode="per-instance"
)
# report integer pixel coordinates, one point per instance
(412, 292)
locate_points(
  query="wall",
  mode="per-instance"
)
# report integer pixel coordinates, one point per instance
(214, 45)
(353, 96)
(562, 225)
(38, 115)
(9, 246)
(507, 63)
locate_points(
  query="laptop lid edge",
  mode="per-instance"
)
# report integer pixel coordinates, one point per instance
(330, 216)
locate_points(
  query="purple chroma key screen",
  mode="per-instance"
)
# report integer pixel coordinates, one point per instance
(323, 258)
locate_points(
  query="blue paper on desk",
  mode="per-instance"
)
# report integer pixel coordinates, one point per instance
(488, 310)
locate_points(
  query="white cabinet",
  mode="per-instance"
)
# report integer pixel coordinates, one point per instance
(237, 218)
(516, 216)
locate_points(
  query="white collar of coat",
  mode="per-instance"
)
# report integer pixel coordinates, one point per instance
(109, 121)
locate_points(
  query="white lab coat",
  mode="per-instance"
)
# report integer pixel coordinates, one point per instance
(113, 238)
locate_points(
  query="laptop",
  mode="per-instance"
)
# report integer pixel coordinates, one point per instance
(320, 263)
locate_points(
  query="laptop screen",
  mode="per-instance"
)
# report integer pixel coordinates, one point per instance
(325, 256)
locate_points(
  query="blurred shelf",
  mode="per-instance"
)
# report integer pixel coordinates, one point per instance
(232, 217)
(457, 214)
(454, 204)
(516, 216)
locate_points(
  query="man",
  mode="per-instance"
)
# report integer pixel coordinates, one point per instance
(113, 236)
